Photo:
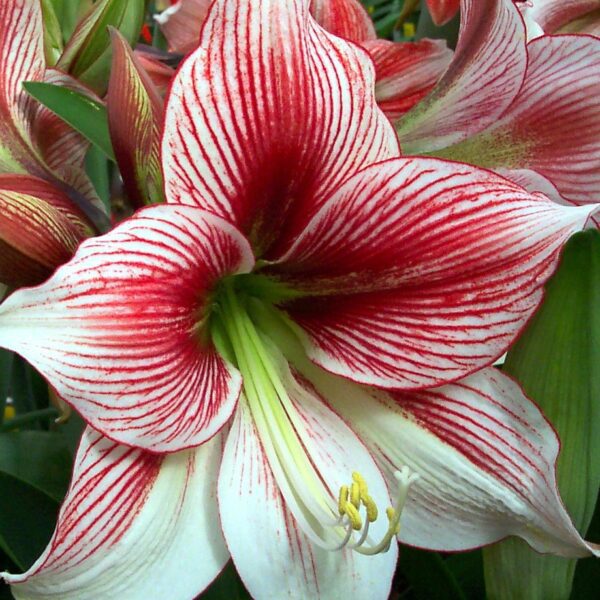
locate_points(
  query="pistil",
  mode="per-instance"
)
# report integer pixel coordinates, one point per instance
(281, 431)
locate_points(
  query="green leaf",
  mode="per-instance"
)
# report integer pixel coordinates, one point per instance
(27, 519)
(556, 361)
(227, 585)
(97, 169)
(85, 115)
(53, 41)
(428, 575)
(38, 458)
(87, 56)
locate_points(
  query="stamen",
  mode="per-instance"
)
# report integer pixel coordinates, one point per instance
(357, 496)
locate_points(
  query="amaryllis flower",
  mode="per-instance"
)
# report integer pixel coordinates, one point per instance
(405, 71)
(507, 104)
(33, 140)
(254, 357)
(561, 16)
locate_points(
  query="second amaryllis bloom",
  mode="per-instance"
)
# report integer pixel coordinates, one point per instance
(246, 353)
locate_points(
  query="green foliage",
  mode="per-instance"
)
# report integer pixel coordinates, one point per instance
(34, 473)
(556, 361)
(85, 115)
(88, 53)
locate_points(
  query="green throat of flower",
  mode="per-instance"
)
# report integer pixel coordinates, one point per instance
(243, 325)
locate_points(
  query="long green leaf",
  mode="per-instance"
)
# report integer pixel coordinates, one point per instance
(557, 362)
(27, 519)
(38, 458)
(428, 575)
(85, 115)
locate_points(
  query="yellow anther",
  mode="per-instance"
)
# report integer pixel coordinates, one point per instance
(355, 494)
(343, 500)
(362, 484)
(354, 517)
(371, 507)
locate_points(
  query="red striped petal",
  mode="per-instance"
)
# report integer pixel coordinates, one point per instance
(134, 525)
(485, 454)
(483, 79)
(442, 11)
(406, 72)
(419, 271)
(49, 193)
(345, 18)
(553, 126)
(261, 127)
(134, 117)
(120, 332)
(552, 15)
(35, 238)
(21, 59)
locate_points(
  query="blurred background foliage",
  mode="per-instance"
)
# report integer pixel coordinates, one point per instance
(39, 435)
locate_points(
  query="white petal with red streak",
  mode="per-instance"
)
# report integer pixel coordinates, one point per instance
(484, 77)
(419, 271)
(21, 59)
(406, 72)
(261, 126)
(134, 525)
(551, 15)
(553, 126)
(485, 454)
(118, 331)
(272, 554)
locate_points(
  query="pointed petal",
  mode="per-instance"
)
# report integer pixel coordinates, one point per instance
(260, 127)
(54, 196)
(344, 18)
(553, 126)
(134, 525)
(442, 11)
(485, 455)
(406, 72)
(134, 118)
(120, 331)
(483, 79)
(35, 238)
(271, 553)
(21, 59)
(181, 24)
(419, 271)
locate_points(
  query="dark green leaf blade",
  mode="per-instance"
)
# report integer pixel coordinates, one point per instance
(39, 458)
(85, 115)
(556, 361)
